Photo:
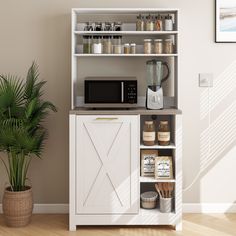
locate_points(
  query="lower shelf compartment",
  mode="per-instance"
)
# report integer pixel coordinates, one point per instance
(155, 212)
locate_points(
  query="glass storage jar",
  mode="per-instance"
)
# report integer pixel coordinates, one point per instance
(117, 26)
(107, 44)
(97, 45)
(168, 46)
(159, 23)
(149, 23)
(140, 23)
(163, 134)
(98, 26)
(133, 48)
(87, 44)
(117, 44)
(108, 26)
(126, 48)
(158, 46)
(88, 26)
(147, 46)
(149, 133)
(168, 23)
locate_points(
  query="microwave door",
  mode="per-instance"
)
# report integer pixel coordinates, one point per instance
(103, 92)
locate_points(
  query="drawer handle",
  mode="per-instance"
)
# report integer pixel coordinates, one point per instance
(106, 118)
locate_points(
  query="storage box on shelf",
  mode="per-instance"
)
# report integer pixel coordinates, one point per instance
(100, 193)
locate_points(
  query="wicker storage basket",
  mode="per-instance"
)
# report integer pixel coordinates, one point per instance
(17, 207)
(149, 200)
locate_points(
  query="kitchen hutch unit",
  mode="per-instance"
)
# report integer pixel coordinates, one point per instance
(105, 144)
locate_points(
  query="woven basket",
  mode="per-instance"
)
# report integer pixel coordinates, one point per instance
(17, 207)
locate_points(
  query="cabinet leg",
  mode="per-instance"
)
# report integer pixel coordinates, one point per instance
(178, 227)
(72, 227)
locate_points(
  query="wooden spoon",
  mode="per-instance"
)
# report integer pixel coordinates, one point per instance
(158, 190)
(160, 185)
(166, 189)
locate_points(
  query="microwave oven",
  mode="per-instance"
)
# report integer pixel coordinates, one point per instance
(110, 92)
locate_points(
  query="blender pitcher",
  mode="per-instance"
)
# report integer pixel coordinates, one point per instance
(154, 95)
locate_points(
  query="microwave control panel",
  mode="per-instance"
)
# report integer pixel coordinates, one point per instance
(131, 93)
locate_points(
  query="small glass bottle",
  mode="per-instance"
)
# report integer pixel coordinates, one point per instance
(147, 46)
(107, 44)
(97, 45)
(163, 134)
(159, 23)
(168, 46)
(87, 44)
(149, 23)
(126, 48)
(117, 44)
(158, 46)
(133, 48)
(140, 23)
(168, 23)
(149, 133)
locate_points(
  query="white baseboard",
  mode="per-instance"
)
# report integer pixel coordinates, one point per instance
(209, 208)
(187, 208)
(48, 208)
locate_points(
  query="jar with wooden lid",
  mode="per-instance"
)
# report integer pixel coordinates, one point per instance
(133, 48)
(126, 48)
(158, 46)
(149, 133)
(147, 46)
(163, 134)
(168, 46)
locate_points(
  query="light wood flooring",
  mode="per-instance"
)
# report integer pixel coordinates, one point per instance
(193, 224)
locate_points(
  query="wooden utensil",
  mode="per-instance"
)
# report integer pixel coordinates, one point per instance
(158, 190)
(161, 189)
(166, 189)
(171, 189)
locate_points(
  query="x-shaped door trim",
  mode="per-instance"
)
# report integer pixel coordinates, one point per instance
(105, 160)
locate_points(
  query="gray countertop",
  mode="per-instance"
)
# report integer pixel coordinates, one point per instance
(131, 111)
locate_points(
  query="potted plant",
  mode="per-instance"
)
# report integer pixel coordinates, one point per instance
(22, 136)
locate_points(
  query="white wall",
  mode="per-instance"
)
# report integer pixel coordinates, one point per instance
(41, 30)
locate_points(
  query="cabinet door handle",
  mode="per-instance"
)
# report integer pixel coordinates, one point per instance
(106, 118)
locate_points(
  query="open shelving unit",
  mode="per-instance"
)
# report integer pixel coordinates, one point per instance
(171, 112)
(129, 34)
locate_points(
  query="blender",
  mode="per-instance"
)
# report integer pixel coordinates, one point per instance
(154, 95)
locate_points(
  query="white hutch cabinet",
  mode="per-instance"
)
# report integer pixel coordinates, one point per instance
(105, 145)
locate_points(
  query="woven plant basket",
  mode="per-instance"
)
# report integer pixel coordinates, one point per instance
(17, 207)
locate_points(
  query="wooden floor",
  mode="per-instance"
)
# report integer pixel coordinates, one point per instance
(193, 224)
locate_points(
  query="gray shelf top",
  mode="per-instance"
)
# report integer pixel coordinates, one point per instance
(130, 111)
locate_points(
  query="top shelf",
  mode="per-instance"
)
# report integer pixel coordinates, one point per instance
(126, 32)
(122, 10)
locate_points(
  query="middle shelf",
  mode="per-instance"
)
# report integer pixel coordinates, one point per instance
(153, 180)
(125, 55)
(171, 146)
(127, 32)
